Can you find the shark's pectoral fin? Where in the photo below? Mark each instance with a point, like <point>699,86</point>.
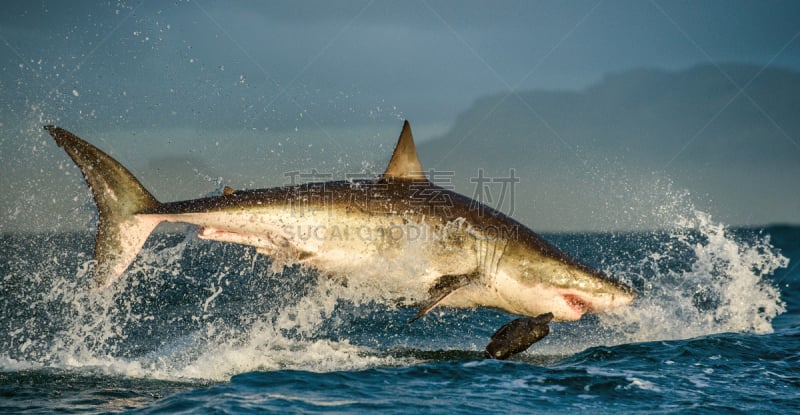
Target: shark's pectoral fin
<point>444,286</point>
<point>518,335</point>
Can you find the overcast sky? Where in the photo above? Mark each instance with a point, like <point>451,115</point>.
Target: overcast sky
<point>322,73</point>
<point>425,60</point>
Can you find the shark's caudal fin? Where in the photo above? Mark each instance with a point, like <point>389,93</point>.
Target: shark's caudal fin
<point>119,196</point>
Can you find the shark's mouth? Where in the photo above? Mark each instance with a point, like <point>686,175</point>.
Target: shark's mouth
<point>577,304</point>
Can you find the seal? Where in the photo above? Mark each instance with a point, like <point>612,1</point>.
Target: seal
<point>518,335</point>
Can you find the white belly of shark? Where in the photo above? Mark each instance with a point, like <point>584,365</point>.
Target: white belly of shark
<point>368,232</point>
<point>404,259</point>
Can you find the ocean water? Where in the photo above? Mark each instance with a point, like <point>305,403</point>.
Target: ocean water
<point>204,327</point>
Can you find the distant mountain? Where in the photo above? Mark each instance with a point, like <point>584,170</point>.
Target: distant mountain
<point>729,134</point>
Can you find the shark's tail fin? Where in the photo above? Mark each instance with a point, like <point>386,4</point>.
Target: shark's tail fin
<point>119,196</point>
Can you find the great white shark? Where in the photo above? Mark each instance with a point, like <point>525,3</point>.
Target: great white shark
<point>465,254</point>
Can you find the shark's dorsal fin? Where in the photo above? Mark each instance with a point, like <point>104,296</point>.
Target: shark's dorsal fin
<point>405,163</point>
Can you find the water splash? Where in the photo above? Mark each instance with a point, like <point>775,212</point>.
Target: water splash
<point>701,278</point>
<point>185,310</point>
